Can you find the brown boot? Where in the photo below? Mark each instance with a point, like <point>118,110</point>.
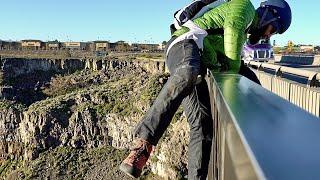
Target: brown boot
<point>137,158</point>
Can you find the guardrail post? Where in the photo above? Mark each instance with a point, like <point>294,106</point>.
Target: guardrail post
<point>278,72</point>
<point>312,80</point>
<point>260,67</point>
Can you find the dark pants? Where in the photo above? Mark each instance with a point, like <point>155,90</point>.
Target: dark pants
<point>248,73</point>
<point>184,65</point>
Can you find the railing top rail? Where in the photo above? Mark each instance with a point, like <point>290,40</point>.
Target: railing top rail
<point>297,55</point>
<point>281,137</point>
<point>295,71</point>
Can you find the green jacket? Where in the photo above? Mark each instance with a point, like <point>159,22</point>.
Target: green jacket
<point>234,18</point>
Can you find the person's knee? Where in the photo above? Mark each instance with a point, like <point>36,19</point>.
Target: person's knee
<point>189,75</point>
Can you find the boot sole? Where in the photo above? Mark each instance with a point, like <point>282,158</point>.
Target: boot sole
<point>129,170</point>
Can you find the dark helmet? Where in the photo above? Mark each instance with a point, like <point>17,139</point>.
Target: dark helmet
<point>275,12</point>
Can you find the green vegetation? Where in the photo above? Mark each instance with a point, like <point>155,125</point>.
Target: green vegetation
<point>5,105</point>
<point>151,55</point>
<point>10,166</point>
<point>1,78</point>
<point>61,54</point>
<point>153,88</point>
<point>67,163</point>
<point>5,165</point>
<point>119,101</point>
<point>64,84</point>
<point>177,115</point>
<point>115,94</point>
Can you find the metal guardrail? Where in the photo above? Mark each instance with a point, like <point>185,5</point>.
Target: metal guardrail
<point>258,135</point>
<point>306,97</point>
<point>312,76</point>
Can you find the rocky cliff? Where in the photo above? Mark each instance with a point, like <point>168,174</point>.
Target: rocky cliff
<point>94,106</point>
<point>22,77</point>
<point>13,67</point>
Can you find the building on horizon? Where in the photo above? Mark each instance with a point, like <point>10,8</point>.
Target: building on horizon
<point>101,45</point>
<point>75,45</point>
<point>161,47</point>
<point>119,46</point>
<point>145,47</point>
<point>2,44</point>
<point>31,44</point>
<point>13,45</point>
<point>53,45</point>
<point>306,48</point>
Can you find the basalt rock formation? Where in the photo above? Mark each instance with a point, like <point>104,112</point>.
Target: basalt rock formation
<point>88,110</point>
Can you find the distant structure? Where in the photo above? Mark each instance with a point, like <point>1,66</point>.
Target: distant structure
<point>290,46</point>
<point>161,47</point>
<point>53,45</point>
<point>75,45</point>
<point>306,48</point>
<point>122,46</point>
<point>32,44</point>
<point>10,45</point>
<point>144,47</point>
<point>100,45</point>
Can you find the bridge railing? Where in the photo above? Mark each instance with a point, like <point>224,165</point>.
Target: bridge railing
<point>313,77</point>
<point>258,135</point>
<point>306,96</point>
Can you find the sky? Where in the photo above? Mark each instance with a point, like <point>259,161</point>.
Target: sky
<point>135,21</point>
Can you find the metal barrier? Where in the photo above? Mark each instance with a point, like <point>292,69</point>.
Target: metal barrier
<point>313,77</point>
<point>258,135</point>
<point>306,97</point>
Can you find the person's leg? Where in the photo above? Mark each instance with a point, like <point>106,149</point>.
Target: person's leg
<point>198,111</point>
<point>184,65</point>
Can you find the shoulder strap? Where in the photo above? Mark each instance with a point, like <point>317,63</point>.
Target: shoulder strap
<point>193,9</point>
